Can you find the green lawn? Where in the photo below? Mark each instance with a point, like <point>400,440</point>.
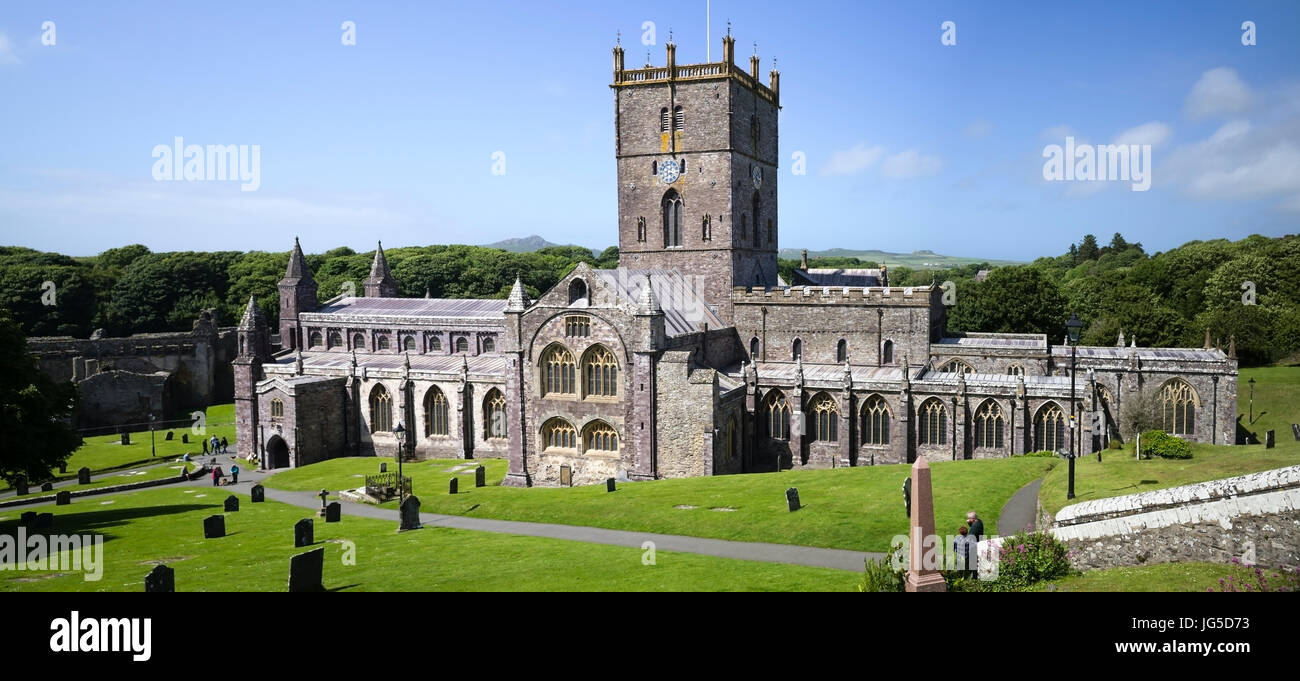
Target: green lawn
<point>1161,577</point>
<point>1119,473</point>
<point>121,477</point>
<point>104,452</point>
<point>848,508</point>
<point>166,525</point>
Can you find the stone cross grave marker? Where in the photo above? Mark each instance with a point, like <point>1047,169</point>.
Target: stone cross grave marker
<point>232,504</point>
<point>258,494</point>
<point>306,571</point>
<point>333,512</point>
<point>410,512</point>
<point>83,476</point>
<point>922,573</point>
<point>214,527</point>
<point>161,579</point>
<point>480,477</point>
<point>303,531</point>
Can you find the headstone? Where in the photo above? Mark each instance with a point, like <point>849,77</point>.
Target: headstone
<point>126,438</point>
<point>63,467</point>
<point>609,484</point>
<point>453,486</point>
<point>302,533</point>
<point>792,498</point>
<point>20,485</point>
<point>63,498</point>
<point>232,504</point>
<point>47,487</point>
<point>168,438</point>
<point>410,512</point>
<point>28,518</point>
<point>44,521</point>
<point>185,438</point>
<point>333,512</point>
<point>480,477</point>
<point>306,571</point>
<point>1295,430</point>
<point>258,494</point>
<point>907,496</point>
<point>383,467</point>
<point>83,476</point>
<point>160,580</point>
<point>920,576</point>
<point>214,527</point>
<point>1269,440</point>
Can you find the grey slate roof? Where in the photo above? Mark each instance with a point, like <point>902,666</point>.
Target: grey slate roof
<point>418,308</point>
<point>684,310</point>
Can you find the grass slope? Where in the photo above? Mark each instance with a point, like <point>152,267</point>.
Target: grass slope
<point>149,526</point>
<point>847,508</point>
<point>105,452</point>
<point>122,477</point>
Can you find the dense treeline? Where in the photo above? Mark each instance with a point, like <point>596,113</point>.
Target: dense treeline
<point>132,290</point>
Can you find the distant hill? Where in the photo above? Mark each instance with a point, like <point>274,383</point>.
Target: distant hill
<point>923,259</point>
<point>527,244</point>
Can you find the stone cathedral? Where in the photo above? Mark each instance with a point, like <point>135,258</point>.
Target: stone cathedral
<point>693,357</point>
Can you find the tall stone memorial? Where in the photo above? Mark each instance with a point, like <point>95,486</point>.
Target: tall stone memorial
<point>922,574</point>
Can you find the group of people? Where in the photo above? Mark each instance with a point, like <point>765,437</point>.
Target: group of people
<point>218,446</point>
<point>218,474</point>
<point>966,544</point>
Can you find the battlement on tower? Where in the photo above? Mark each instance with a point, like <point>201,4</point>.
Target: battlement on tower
<point>832,295</point>
<point>721,70</point>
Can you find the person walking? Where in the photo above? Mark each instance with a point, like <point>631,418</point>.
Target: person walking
<point>976,526</point>
<point>205,446</point>
<point>234,474</point>
<point>225,444</point>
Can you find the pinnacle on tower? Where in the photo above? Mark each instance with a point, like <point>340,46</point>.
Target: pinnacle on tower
<point>380,283</point>
<point>518,300</point>
<point>649,302</point>
<point>252,319</point>
<point>297,271</point>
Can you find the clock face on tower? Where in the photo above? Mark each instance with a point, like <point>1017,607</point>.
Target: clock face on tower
<point>668,172</point>
<point>757,176</point>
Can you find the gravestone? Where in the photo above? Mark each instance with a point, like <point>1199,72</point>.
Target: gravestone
<point>63,467</point>
<point>168,438</point>
<point>792,498</point>
<point>480,477</point>
<point>44,521</point>
<point>126,438</point>
<point>920,575</point>
<point>609,484</point>
<point>302,533</point>
<point>83,476</point>
<point>1269,440</point>
<point>410,512</point>
<point>333,512</point>
<point>1295,431</point>
<point>20,485</point>
<point>28,519</point>
<point>306,571</point>
<point>383,467</point>
<point>453,485</point>
<point>258,494</point>
<point>47,487</point>
<point>63,498</point>
<point>324,495</point>
<point>160,580</point>
<point>185,438</point>
<point>907,496</point>
<point>232,504</point>
<point>214,527</point>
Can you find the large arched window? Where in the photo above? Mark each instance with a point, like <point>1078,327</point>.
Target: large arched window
<point>875,421</point>
<point>558,371</point>
<point>933,427</point>
<point>381,410</point>
<point>335,340</point>
<point>957,366</point>
<point>358,341</point>
<point>989,425</point>
<point>383,342</point>
<point>577,291</point>
<point>753,349</point>
<point>559,434</point>
<point>599,372</point>
<point>1049,429</point>
<point>435,413</point>
<point>494,415</point>
<point>756,205</point>
<point>841,350</point>
<point>796,349</point>
<point>315,340</point>
<point>887,353</point>
<point>825,419</point>
<point>599,436</point>
<point>462,344</point>
<point>408,344</point>
<point>775,420</point>
<point>1178,408</point>
<point>672,214</point>
<point>435,343</point>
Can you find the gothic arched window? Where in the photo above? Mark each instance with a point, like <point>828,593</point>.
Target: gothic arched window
<point>408,344</point>
<point>494,415</point>
<point>277,408</point>
<point>358,341</point>
<point>875,421</point>
<point>934,423</point>
<point>435,413</point>
<point>600,372</point>
<point>559,434</point>
<point>989,425</point>
<point>841,350</point>
<point>776,416</point>
<point>314,340</point>
<point>664,119</point>
<point>383,342</point>
<point>825,416</point>
<point>1049,429</point>
<point>462,344</point>
<point>558,371</point>
<point>435,343</point>
<point>679,118</point>
<point>1178,408</point>
<point>600,436</point>
<point>887,354</point>
<point>796,350</point>
<point>753,349</point>
<point>335,340</point>
<point>672,214</point>
<point>489,345</point>
<point>577,290</point>
<point>381,410</point>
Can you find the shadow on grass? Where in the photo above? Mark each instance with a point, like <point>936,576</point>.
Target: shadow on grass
<point>95,522</point>
<point>342,588</point>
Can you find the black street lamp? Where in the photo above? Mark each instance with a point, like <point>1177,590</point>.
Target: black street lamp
<point>1252,400</point>
<point>1072,330</point>
<point>153,447</point>
<point>400,432</point>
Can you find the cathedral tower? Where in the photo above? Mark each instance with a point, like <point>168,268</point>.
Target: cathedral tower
<point>297,295</point>
<point>696,147</point>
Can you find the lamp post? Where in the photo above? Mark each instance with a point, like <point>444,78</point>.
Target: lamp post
<point>153,446</point>
<point>1072,330</point>
<point>1252,400</point>
<point>400,432</point>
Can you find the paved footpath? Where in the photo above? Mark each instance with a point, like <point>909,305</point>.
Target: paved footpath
<point>1021,510</point>
<point>837,559</point>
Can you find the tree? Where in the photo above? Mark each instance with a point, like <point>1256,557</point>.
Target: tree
<point>1139,413</point>
<point>1074,254</point>
<point>1011,300</point>
<point>35,411</point>
<point>1117,243</point>
<point>1088,249</point>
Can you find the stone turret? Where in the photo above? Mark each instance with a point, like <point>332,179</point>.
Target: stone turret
<point>380,283</point>
<point>297,295</point>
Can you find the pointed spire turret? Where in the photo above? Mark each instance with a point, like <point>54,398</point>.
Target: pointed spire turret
<point>380,283</point>
<point>649,301</point>
<point>297,271</point>
<point>252,319</point>
<point>518,300</point>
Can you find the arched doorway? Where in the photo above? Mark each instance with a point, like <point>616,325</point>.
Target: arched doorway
<point>277,452</point>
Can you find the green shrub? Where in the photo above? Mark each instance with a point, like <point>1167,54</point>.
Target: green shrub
<point>1042,454</point>
<point>1161,444</point>
<point>880,575</point>
<point>1028,558</point>
<point>1114,444</point>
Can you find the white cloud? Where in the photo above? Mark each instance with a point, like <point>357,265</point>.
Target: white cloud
<point>7,55</point>
<point>978,129</point>
<point>1154,133</point>
<point>909,164</point>
<point>853,161</point>
<point>1219,92</point>
<point>1242,162</point>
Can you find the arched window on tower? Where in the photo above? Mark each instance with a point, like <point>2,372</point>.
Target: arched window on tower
<point>672,214</point>
<point>753,349</point>
<point>679,118</point>
<point>640,229</point>
<point>664,119</point>
<point>706,228</point>
<point>887,353</point>
<point>841,350</point>
<point>796,351</point>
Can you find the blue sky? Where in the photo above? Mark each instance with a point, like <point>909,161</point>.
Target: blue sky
<point>909,144</point>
